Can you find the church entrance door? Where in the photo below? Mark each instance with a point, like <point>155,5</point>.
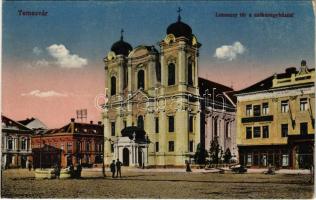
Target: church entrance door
<point>140,158</point>
<point>125,157</point>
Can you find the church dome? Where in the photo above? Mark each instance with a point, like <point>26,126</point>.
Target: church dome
<point>121,47</point>
<point>179,29</point>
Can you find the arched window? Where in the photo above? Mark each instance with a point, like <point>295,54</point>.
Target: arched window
<point>171,74</point>
<point>158,71</point>
<point>10,143</point>
<point>140,122</point>
<point>190,70</point>
<point>113,85</point>
<point>141,79</point>
<point>23,144</point>
<point>125,71</point>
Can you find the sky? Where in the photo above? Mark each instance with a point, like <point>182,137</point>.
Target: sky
<point>53,65</point>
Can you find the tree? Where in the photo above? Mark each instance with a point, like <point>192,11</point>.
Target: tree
<point>227,156</point>
<point>215,151</point>
<point>200,154</point>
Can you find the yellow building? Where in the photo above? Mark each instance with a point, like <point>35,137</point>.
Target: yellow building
<point>155,92</point>
<point>275,120</point>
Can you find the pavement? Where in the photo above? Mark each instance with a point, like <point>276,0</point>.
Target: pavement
<point>211,170</point>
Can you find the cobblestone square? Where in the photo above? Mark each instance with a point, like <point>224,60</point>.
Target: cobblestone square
<point>136,184</point>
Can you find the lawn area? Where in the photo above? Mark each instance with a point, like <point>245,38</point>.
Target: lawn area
<point>21,184</point>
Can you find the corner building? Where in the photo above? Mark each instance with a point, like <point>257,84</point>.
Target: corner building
<point>275,120</point>
<point>155,91</point>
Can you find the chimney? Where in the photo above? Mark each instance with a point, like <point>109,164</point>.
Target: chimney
<point>72,119</point>
<point>91,122</point>
<point>99,123</point>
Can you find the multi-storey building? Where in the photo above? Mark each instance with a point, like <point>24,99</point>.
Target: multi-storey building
<point>156,94</point>
<point>275,120</point>
<point>159,93</point>
<point>74,143</point>
<point>218,109</point>
<point>16,143</point>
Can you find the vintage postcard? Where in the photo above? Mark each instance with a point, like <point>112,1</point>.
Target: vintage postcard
<point>158,99</point>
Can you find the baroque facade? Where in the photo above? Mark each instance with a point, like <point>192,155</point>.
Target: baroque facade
<point>16,146</point>
<point>275,120</point>
<point>154,95</point>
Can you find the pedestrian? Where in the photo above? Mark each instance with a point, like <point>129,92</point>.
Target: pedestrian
<point>30,165</point>
<point>112,167</point>
<point>118,168</point>
<point>57,171</point>
<point>79,169</point>
<point>188,168</point>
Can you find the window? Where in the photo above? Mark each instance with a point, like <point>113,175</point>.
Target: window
<point>140,122</point>
<point>215,126</point>
<point>140,79</point>
<point>256,132</point>
<point>171,74</point>
<point>171,123</point>
<point>69,147</point>
<point>113,85</point>
<point>285,106</point>
<point>112,148</point>
<point>157,146</point>
<point>265,108</point>
<point>304,128</point>
<point>157,124</point>
<point>249,159</point>
<point>87,146</point>
<point>10,144</point>
<point>285,160</point>
<point>23,144</point>
<point>265,131</point>
<point>303,104</point>
<point>112,128</point>
<point>227,129</point>
<point>78,146</point>
<point>248,110</point>
<point>284,130</point>
<point>256,110</point>
<point>191,146</point>
<point>190,69</point>
<point>191,124</point>
<point>248,132</point>
<point>124,122</point>
<point>171,146</point>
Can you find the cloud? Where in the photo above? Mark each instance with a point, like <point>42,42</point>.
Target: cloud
<point>63,57</point>
<point>229,52</point>
<point>37,51</point>
<point>38,93</point>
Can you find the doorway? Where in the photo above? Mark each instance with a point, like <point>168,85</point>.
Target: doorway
<point>125,157</point>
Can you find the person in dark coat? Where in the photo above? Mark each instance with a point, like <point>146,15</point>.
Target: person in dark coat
<point>57,171</point>
<point>79,169</point>
<point>118,168</point>
<point>112,167</point>
<point>30,165</point>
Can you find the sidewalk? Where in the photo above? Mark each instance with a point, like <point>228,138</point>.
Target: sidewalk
<point>212,170</point>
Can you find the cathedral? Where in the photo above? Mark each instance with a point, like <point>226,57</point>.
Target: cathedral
<point>153,113</point>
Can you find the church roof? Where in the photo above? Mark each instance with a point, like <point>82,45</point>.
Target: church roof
<point>121,47</point>
<point>179,28</point>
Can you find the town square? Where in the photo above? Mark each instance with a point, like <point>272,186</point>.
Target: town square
<point>158,99</point>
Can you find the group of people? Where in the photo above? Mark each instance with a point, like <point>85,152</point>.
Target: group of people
<point>116,167</point>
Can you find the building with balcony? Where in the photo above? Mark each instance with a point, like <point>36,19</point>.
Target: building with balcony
<point>16,143</point>
<point>74,143</point>
<point>275,120</point>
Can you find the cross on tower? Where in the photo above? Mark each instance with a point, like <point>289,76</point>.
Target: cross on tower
<point>179,11</point>
<point>122,31</point>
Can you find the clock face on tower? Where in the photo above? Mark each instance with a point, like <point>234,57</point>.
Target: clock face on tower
<point>169,39</point>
